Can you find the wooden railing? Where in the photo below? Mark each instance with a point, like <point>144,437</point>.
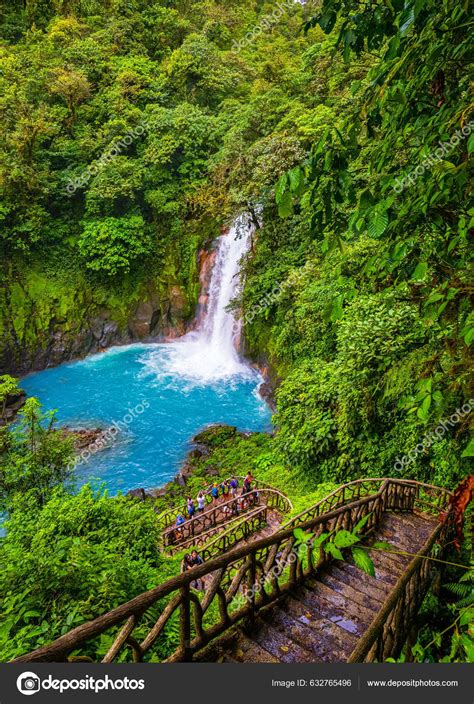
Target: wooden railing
<point>167,518</point>
<point>423,497</point>
<point>238,531</point>
<point>245,580</point>
<point>198,530</point>
<point>386,636</point>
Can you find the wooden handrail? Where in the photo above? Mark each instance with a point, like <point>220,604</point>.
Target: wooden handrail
<point>233,574</point>
<point>341,490</point>
<point>168,516</point>
<point>368,639</point>
<point>189,527</point>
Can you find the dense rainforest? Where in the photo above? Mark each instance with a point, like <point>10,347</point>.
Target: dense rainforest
<point>133,131</point>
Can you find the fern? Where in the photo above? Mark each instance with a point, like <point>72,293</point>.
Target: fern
<point>464,590</point>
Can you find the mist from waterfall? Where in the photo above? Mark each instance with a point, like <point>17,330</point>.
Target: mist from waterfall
<point>209,353</point>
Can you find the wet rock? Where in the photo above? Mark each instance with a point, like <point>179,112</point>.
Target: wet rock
<point>186,470</point>
<point>140,324</point>
<point>196,453</point>
<point>266,392</point>
<point>93,439</point>
<point>137,494</point>
<point>159,493</point>
<point>14,403</point>
<point>159,313</point>
<point>178,304</point>
<point>180,479</point>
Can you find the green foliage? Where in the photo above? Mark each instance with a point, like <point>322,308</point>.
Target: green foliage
<point>332,137</point>
<point>8,387</point>
<point>71,560</point>
<point>333,543</point>
<point>34,457</point>
<point>371,330</point>
<point>111,245</point>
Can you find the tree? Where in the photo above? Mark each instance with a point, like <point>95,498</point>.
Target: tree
<point>113,245</point>
<point>73,87</point>
<point>8,387</point>
<point>34,456</point>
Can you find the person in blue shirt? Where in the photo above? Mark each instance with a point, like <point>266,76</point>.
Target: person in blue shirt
<point>191,508</point>
<point>178,534</point>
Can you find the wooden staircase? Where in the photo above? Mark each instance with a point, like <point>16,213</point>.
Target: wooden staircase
<point>268,599</point>
<point>323,619</point>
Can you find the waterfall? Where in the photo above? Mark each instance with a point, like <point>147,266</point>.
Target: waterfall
<point>219,329</point>
<point>209,353</point>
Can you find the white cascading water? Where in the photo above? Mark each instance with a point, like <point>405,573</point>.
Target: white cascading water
<point>209,353</point>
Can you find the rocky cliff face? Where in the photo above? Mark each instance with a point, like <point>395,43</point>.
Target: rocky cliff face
<point>44,321</point>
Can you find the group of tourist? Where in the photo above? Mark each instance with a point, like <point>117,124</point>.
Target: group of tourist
<point>220,494</point>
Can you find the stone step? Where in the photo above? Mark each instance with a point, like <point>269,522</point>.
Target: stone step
<point>247,650</point>
<point>363,582</point>
<point>323,619</point>
<point>337,608</point>
<point>279,644</point>
<point>320,626</point>
<point>329,578</point>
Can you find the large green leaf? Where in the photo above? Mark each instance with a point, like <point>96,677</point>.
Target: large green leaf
<point>281,187</point>
<point>420,271</point>
<point>360,524</point>
<point>333,550</point>
<point>378,223</point>
<point>285,206</point>
<point>363,561</point>
<point>344,539</point>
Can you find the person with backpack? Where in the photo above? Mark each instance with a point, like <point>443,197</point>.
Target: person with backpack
<point>247,483</point>
<point>215,493</point>
<point>180,520</point>
<point>196,560</point>
<point>225,490</point>
<point>233,486</point>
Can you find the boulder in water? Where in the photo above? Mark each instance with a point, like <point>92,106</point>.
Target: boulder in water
<point>92,439</point>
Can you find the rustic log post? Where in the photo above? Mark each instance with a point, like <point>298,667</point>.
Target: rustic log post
<point>185,624</point>
<point>119,641</point>
<point>253,578</point>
